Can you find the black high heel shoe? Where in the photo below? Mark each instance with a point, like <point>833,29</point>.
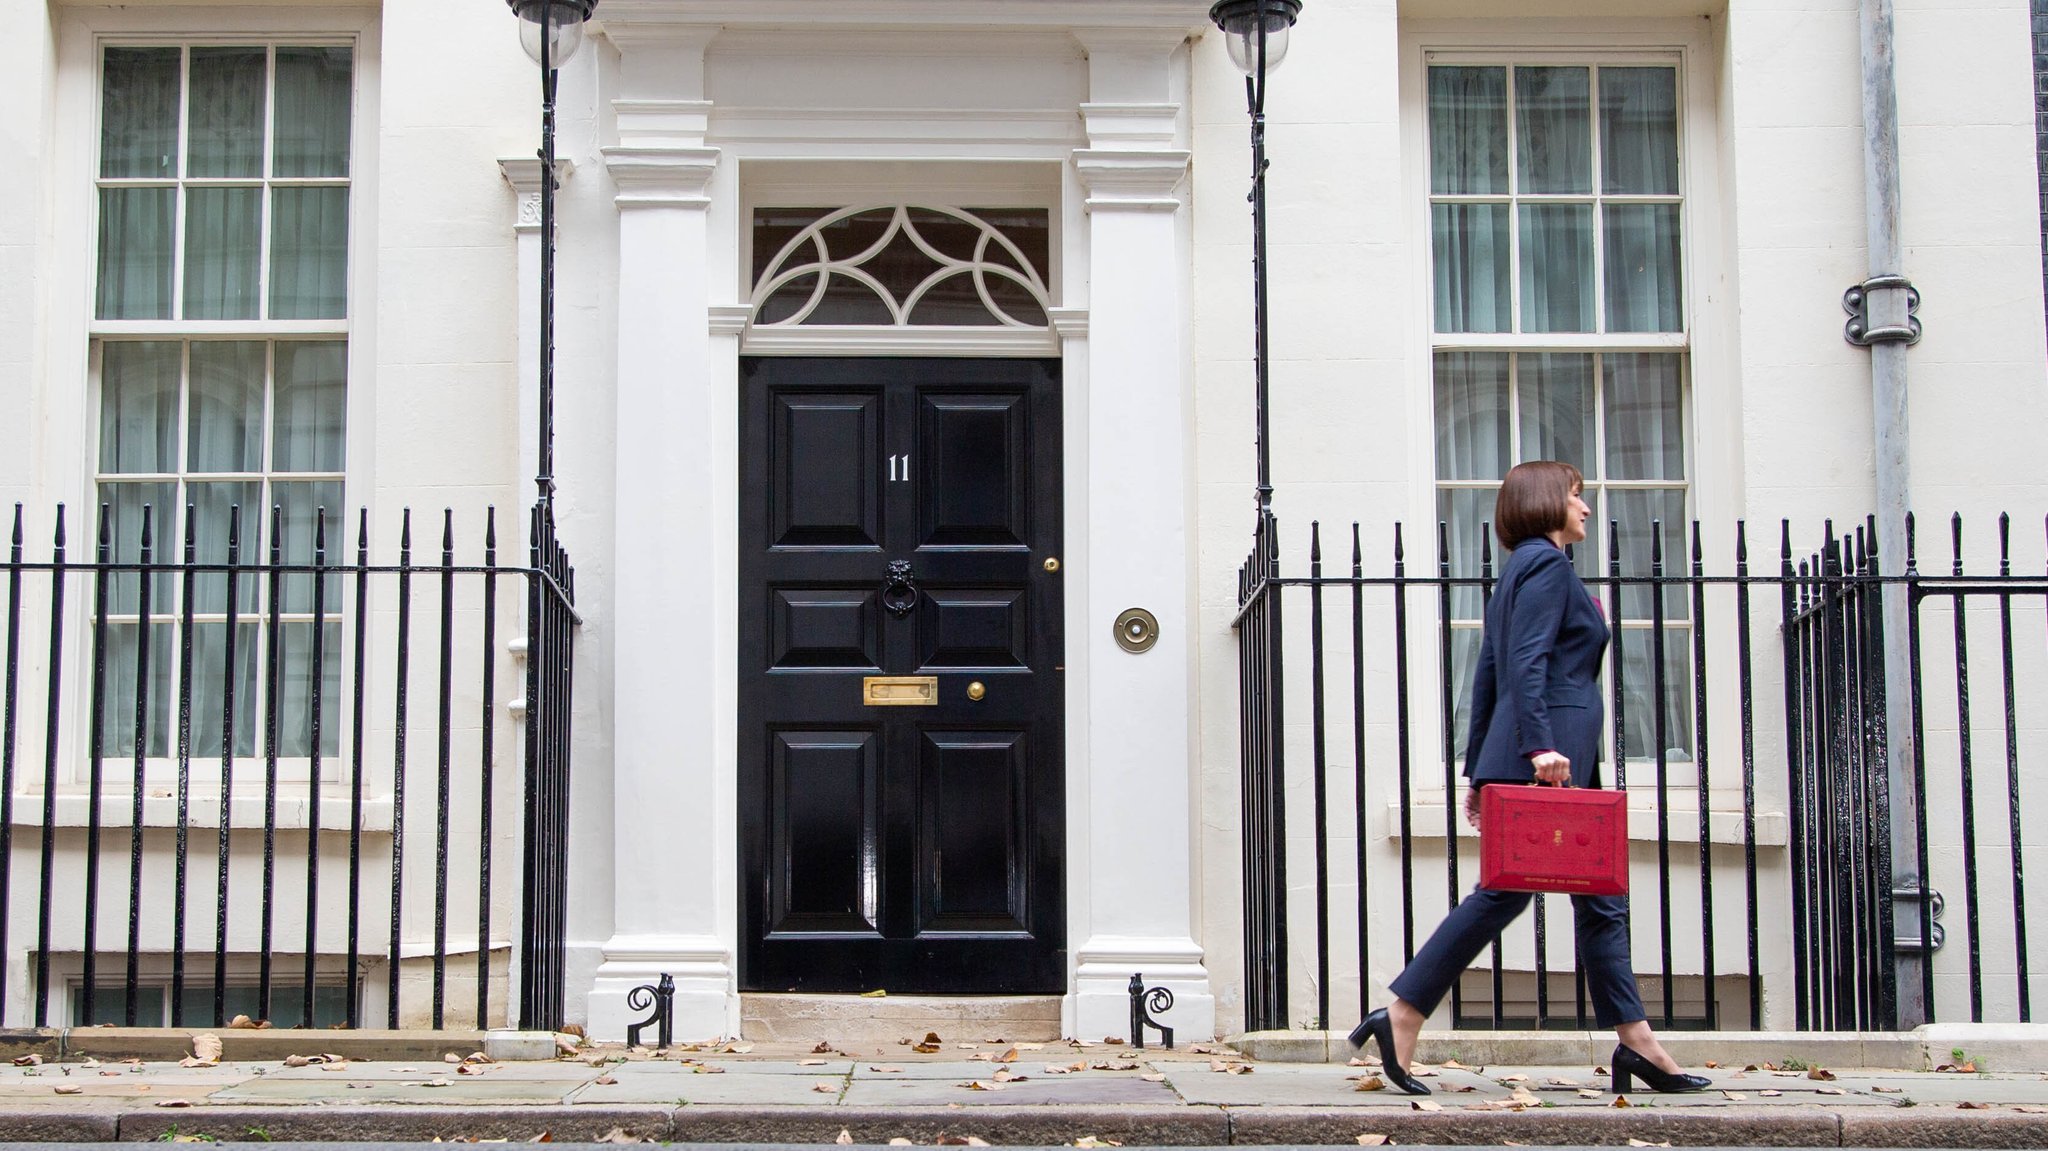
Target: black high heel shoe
<point>1381,1029</point>
<point>1630,1066</point>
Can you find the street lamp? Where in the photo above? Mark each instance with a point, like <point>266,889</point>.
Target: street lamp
<point>1255,31</point>
<point>550,31</point>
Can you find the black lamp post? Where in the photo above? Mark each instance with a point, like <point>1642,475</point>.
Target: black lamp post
<point>550,31</point>
<point>1255,31</point>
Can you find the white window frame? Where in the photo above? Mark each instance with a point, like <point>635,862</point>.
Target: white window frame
<point>71,400</point>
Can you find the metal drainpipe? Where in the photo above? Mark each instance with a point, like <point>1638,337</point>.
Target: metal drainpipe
<point>1886,326</point>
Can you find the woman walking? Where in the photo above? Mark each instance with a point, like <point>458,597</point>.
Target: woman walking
<point>1536,717</point>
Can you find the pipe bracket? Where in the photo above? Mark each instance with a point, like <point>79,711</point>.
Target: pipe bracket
<point>1856,302</point>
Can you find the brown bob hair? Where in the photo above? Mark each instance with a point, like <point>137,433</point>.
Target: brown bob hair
<point>1534,499</point>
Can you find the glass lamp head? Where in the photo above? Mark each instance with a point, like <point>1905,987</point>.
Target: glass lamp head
<point>1239,20</point>
<point>560,21</point>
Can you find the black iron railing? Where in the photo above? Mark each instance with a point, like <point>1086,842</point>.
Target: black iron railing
<point>1766,876</point>
<point>210,704</point>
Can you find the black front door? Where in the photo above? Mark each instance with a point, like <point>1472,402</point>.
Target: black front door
<point>900,742</point>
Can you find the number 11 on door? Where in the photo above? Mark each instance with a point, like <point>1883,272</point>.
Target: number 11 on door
<point>899,473</point>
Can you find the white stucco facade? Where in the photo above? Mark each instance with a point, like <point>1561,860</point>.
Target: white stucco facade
<point>1125,121</point>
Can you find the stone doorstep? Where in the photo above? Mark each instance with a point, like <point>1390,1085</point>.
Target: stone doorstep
<point>770,1017</point>
<point>1997,1046</point>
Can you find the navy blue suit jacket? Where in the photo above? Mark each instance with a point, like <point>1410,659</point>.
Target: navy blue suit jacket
<point>1537,684</point>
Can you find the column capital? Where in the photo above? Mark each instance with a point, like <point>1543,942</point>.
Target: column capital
<point>1145,180</point>
<point>523,173</point>
<point>672,177</point>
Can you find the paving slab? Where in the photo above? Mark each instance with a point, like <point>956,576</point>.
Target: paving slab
<point>733,1089</point>
<point>456,1092</point>
<point>1096,1088</point>
<point>687,1067</point>
<point>960,1069</point>
<point>1929,1088</point>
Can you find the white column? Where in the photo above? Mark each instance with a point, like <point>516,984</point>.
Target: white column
<point>1136,904</point>
<point>674,863</point>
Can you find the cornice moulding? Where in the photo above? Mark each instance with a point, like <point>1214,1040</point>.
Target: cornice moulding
<point>1132,178</point>
<point>1182,14</point>
<point>676,177</point>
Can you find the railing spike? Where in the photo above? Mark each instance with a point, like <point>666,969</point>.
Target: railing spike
<point>1955,527</point>
<point>1912,547</point>
<point>448,533</point>
<point>2004,543</point>
<point>17,527</point>
<point>1742,546</point>
<point>59,537</point>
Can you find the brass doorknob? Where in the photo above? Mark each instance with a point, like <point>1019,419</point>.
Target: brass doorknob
<point>975,691</point>
<point>1052,563</point>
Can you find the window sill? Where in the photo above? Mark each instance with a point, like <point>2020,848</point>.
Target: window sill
<point>294,810</point>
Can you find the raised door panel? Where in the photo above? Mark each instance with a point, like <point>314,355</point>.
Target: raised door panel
<point>972,815</point>
<point>974,492</point>
<point>824,834</point>
<point>823,474</point>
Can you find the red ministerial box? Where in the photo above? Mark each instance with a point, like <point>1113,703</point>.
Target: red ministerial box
<point>1571,840</point>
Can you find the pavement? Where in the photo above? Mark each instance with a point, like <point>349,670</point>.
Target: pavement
<point>1002,1093</point>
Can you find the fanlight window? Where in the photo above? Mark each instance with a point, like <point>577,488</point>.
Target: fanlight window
<point>901,266</point>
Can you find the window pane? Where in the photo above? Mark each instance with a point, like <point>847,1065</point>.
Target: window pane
<point>1639,695</point>
<point>1637,512</point>
<point>309,253</point>
<point>110,1004</point>
<point>1471,415</point>
<point>1471,245</point>
<point>1645,416</point>
<point>295,689</point>
<point>213,508</point>
<point>223,227</point>
<point>124,505</point>
<point>312,407</point>
<point>211,673</point>
<point>1557,267</point>
<point>301,503</point>
<point>313,96</point>
<point>136,235</point>
<point>1469,512</point>
<point>1555,394</point>
<point>1464,660</point>
<point>225,132</point>
<point>1642,268</point>
<point>1639,131</point>
<point>118,716</point>
<point>139,406</point>
<point>1468,131</point>
<point>225,429</point>
<point>139,114</point>
<point>1553,131</point>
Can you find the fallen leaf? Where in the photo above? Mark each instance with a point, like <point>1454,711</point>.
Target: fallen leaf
<point>604,1081</point>
<point>1452,1064</point>
<point>974,1141</point>
<point>437,1081</point>
<point>1771,1094</point>
<point>877,993</point>
<point>1108,1066</point>
<point>1425,1105</point>
<point>117,1074</point>
<point>1711,1065</point>
<point>1004,1076</point>
<point>1056,1069</point>
<point>1372,1139</point>
<point>1820,1073</point>
<point>1830,1091</point>
<point>1599,1071</point>
<point>543,1137</point>
<point>90,1062</point>
<point>1041,1047</point>
<point>206,1047</point>
<point>1621,1101</point>
<point>2032,1109</point>
<point>1588,1093</point>
<point>1009,1056</point>
<point>1370,1083</point>
<point>242,1022</point>
<point>966,1046</point>
<point>297,1061</point>
<point>982,1057</point>
<point>1459,1087</point>
<point>1154,1078</point>
<point>885,1070</point>
<point>926,1048</point>
<point>826,1086</point>
<point>707,1069</point>
<point>932,1037</point>
<point>1422,1072</point>
<point>1514,1079</point>
<point>1525,1097</point>
<point>979,1085</point>
<point>900,1141</point>
<point>823,1048</point>
<point>739,1048</point>
<point>1113,1041</point>
<point>845,1138</point>
<point>619,1135</point>
<point>1646,1143</point>
<point>1967,1105</point>
<point>1557,1082</point>
<point>334,1063</point>
<point>28,1061</point>
<point>174,1103</point>
<point>1737,1096</point>
<point>70,1089</point>
<point>1092,1141</point>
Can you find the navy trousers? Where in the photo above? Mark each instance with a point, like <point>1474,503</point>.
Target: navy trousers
<point>1600,920</point>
